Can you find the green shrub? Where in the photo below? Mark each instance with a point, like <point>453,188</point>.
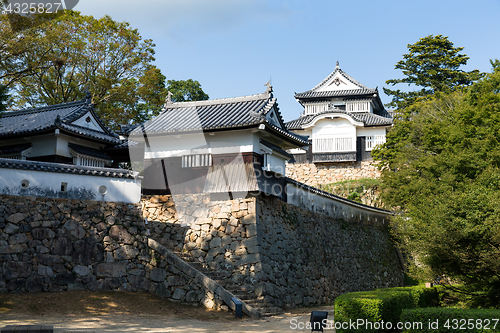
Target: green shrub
<point>381,305</point>
<point>410,281</point>
<point>422,297</point>
<point>441,320</point>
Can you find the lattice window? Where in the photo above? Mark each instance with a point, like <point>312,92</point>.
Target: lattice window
<point>13,156</point>
<point>358,106</point>
<point>373,140</point>
<point>89,161</point>
<point>17,156</point>
<point>198,160</point>
<point>316,108</point>
<point>324,145</point>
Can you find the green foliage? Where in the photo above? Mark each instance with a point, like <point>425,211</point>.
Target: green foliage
<point>354,196</point>
<point>432,65</point>
<point>353,189</point>
<point>445,175</point>
<point>452,320</point>
<point>186,90</point>
<point>3,98</point>
<point>353,183</point>
<point>382,304</point>
<point>410,281</point>
<point>55,61</point>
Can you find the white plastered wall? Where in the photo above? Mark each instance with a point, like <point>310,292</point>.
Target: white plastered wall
<point>334,128</point>
<point>48,184</point>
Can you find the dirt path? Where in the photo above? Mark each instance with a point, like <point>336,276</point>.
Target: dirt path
<point>84,312</point>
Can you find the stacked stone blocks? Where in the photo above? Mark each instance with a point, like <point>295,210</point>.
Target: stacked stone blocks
<point>314,174</point>
<point>285,255</point>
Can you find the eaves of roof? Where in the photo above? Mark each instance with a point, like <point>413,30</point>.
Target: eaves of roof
<point>368,119</point>
<point>67,168</point>
<point>49,118</point>
<point>13,149</point>
<point>344,75</point>
<point>337,93</point>
<point>125,144</point>
<point>301,139</point>
<point>89,133</point>
<point>216,115</point>
<point>276,148</point>
<point>88,151</point>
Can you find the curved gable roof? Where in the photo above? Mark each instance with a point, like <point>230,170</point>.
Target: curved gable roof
<point>338,83</point>
<point>48,118</point>
<point>218,114</point>
<point>368,119</point>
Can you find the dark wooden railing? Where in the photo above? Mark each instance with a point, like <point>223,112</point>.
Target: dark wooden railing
<point>334,157</point>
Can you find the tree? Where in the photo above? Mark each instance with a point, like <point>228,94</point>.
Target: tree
<point>186,90</point>
<point>432,64</point>
<point>3,98</point>
<point>54,62</point>
<point>446,180</point>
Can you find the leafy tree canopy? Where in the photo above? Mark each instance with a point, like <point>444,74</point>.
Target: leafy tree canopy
<point>3,98</point>
<point>432,65</point>
<point>186,90</point>
<point>55,61</point>
<point>446,178</point>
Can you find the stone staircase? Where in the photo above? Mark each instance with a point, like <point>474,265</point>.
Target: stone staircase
<point>265,308</point>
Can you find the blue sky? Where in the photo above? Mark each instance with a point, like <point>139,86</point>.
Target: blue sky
<point>233,47</point>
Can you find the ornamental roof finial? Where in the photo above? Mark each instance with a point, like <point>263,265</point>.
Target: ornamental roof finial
<point>168,99</point>
<point>269,89</point>
<point>88,96</point>
<point>337,66</point>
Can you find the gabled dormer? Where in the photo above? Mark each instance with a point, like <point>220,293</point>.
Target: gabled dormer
<point>88,120</point>
<point>342,92</point>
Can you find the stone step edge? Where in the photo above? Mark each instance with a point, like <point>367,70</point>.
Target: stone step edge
<point>209,284</point>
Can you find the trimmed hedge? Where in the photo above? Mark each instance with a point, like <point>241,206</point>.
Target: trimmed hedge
<point>456,320</point>
<point>381,305</point>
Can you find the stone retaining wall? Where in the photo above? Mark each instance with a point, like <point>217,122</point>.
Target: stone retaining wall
<point>308,258</point>
<point>286,254</point>
<point>220,234</point>
<point>59,244</point>
<point>315,174</point>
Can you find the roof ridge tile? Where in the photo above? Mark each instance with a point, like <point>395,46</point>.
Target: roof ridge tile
<point>43,108</point>
<point>216,101</point>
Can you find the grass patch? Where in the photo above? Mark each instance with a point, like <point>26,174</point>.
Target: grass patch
<point>368,182</point>
<point>354,189</point>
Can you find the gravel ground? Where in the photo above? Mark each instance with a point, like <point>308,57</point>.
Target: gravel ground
<point>85,312</point>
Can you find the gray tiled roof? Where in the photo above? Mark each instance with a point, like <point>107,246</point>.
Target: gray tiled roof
<point>344,75</point>
<point>124,145</point>
<point>336,93</point>
<point>67,168</point>
<point>127,129</point>
<point>274,147</point>
<point>13,149</point>
<point>48,118</point>
<point>217,114</point>
<point>363,90</point>
<point>88,151</point>
<point>90,133</point>
<point>368,119</point>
